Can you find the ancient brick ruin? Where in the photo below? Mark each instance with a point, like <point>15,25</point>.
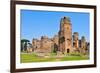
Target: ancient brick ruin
<point>64,41</point>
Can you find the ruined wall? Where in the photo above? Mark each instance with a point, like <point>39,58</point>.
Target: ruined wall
<point>46,44</point>
<point>83,45</point>
<point>36,44</point>
<point>76,41</point>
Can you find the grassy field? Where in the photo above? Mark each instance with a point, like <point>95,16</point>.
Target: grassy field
<point>31,57</point>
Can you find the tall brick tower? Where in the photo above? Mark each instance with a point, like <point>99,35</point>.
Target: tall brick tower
<point>65,35</point>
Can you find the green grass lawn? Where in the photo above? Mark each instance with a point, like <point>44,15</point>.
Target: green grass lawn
<point>31,57</point>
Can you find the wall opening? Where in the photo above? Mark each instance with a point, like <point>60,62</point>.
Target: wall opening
<point>68,50</point>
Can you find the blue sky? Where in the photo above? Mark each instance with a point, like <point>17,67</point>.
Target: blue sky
<point>35,24</point>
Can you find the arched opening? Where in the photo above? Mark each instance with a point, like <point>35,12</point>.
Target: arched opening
<point>68,50</point>
<point>74,44</point>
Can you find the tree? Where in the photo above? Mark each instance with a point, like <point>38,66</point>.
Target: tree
<point>24,43</point>
<point>55,48</point>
